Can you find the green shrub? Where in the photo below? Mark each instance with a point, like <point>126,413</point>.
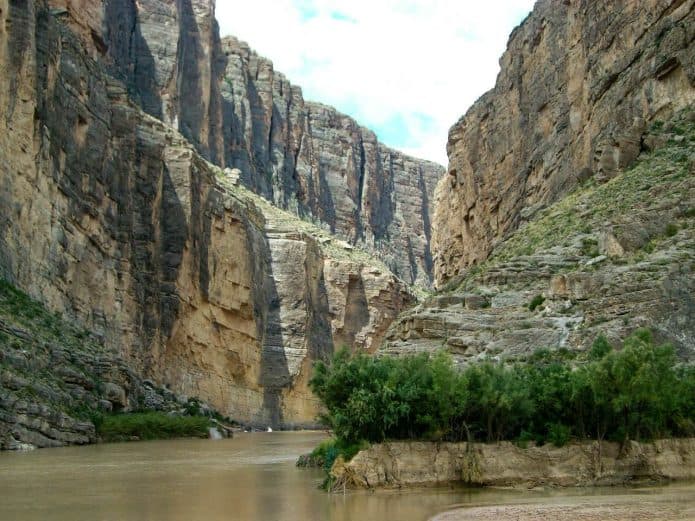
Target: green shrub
<point>535,302</point>
<point>590,247</point>
<point>524,438</point>
<point>600,348</point>
<point>558,434</point>
<point>151,426</point>
<point>671,230</point>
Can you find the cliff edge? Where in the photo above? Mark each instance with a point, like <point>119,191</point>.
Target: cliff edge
<point>580,84</point>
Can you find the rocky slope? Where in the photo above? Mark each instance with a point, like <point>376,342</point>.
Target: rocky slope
<point>239,112</point>
<point>579,85</point>
<point>113,219</point>
<point>55,377</point>
<point>607,259</point>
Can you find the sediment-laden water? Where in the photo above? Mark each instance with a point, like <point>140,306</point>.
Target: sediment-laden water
<point>251,477</point>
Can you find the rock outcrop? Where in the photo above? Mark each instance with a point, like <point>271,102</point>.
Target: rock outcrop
<point>398,464</point>
<point>113,219</point>
<point>238,112</point>
<point>580,83</point>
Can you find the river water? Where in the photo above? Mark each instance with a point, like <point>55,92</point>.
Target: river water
<point>251,477</point>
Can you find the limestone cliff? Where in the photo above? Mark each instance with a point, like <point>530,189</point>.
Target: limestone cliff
<point>113,219</point>
<point>580,83</point>
<point>320,163</point>
<point>239,112</point>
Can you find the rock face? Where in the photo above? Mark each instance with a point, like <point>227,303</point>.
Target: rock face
<point>607,259</point>
<point>238,112</point>
<point>398,464</point>
<point>580,83</point>
<point>319,163</point>
<point>113,219</point>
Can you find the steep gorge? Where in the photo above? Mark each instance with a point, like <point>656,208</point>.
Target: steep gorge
<point>143,160</point>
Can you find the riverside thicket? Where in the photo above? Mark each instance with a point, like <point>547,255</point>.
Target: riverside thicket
<point>640,391</point>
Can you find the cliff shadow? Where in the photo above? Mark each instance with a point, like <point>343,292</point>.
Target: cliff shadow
<point>318,334</point>
<point>274,371</point>
<point>252,159</point>
<point>158,234</point>
<point>381,205</point>
<point>190,55</point>
<point>130,57</point>
<point>427,224</point>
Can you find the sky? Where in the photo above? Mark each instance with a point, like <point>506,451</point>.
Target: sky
<point>407,69</point>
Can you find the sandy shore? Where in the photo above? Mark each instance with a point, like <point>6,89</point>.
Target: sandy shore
<point>673,504</point>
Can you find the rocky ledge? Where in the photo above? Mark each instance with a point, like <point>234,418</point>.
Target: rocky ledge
<point>401,464</point>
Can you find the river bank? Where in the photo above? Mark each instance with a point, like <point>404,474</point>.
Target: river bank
<point>675,503</point>
<point>409,464</point>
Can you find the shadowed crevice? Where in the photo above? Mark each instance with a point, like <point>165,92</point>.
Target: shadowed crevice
<point>356,312</point>
<point>274,371</point>
<point>427,226</point>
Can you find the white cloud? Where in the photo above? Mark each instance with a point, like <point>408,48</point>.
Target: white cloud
<point>418,64</point>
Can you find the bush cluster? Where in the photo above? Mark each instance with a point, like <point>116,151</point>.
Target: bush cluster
<point>150,426</point>
<point>637,392</point>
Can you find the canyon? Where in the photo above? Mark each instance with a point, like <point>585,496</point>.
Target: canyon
<point>211,234</point>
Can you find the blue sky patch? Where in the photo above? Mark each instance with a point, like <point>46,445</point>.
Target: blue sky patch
<point>342,17</point>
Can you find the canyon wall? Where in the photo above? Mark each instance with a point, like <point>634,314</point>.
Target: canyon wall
<point>115,220</point>
<point>605,260</point>
<point>567,209</point>
<point>239,112</point>
<point>580,83</point>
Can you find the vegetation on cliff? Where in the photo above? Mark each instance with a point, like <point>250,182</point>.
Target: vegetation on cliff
<point>637,392</point>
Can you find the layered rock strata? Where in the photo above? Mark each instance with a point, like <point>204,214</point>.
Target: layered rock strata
<point>607,259</point>
<point>580,83</point>
<point>113,219</point>
<point>319,163</point>
<point>239,112</point>
<point>399,464</point>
